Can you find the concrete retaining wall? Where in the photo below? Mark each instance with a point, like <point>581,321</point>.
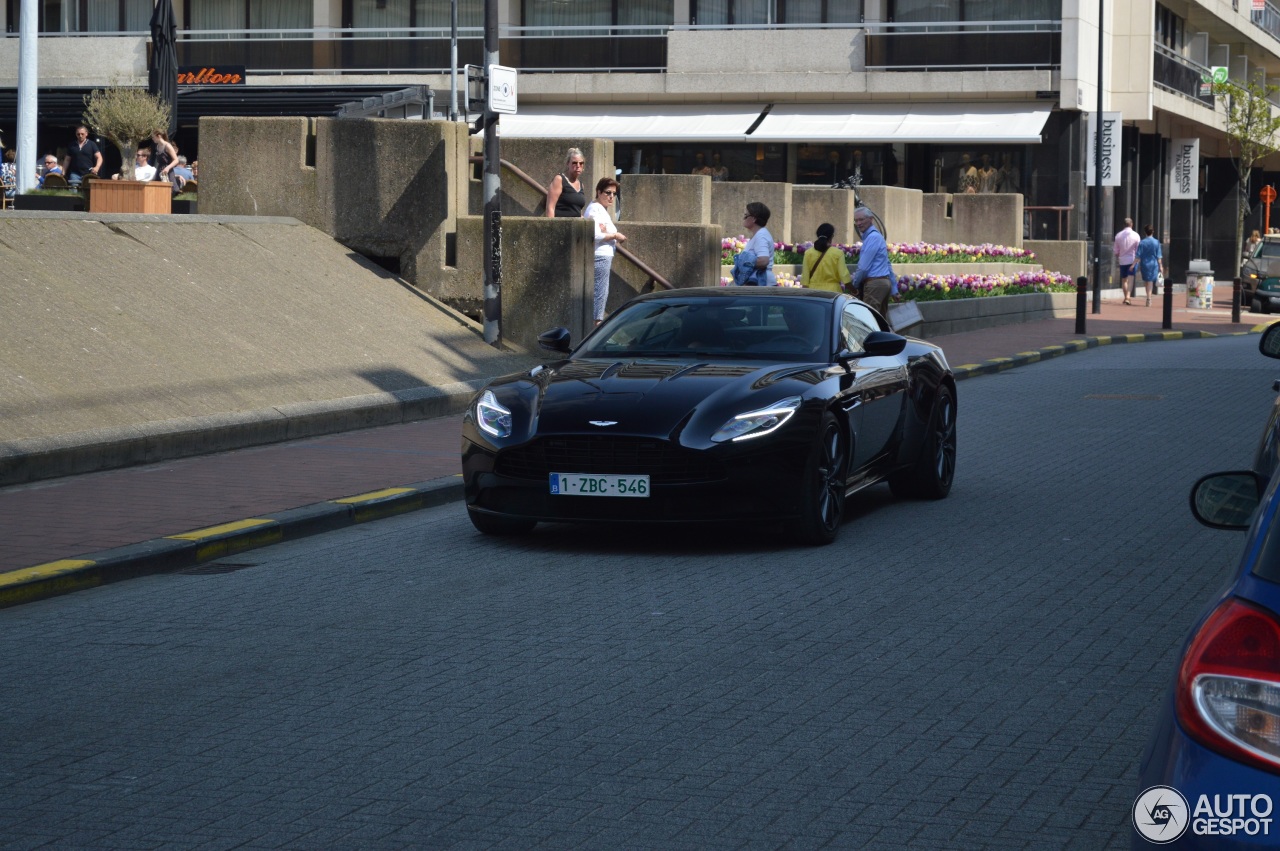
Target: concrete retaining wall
<point>674,198</point>
<point>973,314</point>
<point>900,209</point>
<point>814,205</point>
<point>1070,257</point>
<point>729,201</point>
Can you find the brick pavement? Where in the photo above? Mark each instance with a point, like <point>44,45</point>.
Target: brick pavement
<point>69,517</point>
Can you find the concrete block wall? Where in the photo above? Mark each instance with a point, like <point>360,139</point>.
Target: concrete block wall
<point>552,284</point>
<point>729,201</point>
<point>674,198</point>
<point>258,167</point>
<point>814,205</point>
<point>690,257</point>
<point>1070,257</point>
<point>973,219</point>
<point>900,209</point>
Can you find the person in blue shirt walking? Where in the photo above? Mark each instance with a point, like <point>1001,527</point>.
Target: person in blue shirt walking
<point>873,280</point>
<point>1150,260</point>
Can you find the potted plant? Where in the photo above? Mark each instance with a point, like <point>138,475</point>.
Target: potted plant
<point>125,115</point>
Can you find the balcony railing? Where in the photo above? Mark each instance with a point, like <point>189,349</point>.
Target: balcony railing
<point>426,50</point>
<point>1180,75</point>
<point>964,45</point>
<point>1268,18</point>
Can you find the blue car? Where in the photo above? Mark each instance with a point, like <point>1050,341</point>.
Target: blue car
<point>1210,777</point>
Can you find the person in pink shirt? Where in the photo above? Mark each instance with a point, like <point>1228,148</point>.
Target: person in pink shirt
<point>1126,253</point>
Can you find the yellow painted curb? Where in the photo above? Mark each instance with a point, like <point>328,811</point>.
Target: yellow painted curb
<point>214,531</point>
<point>44,571</point>
<point>372,495</point>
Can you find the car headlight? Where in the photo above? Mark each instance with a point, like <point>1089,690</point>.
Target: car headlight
<point>757,423</point>
<point>492,417</point>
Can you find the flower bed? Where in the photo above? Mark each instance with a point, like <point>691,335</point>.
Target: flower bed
<point>939,287</point>
<point>917,252</point>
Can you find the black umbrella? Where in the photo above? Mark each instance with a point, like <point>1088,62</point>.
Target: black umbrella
<point>163,72</point>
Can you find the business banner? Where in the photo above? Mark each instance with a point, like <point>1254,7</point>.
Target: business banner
<point>1110,148</point>
<point>211,75</point>
<point>1184,182</point>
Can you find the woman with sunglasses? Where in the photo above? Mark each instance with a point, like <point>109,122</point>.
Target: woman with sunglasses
<point>607,238</point>
<point>565,198</point>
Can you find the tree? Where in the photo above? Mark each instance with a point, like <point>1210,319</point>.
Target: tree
<point>125,116</point>
<point>1251,125</point>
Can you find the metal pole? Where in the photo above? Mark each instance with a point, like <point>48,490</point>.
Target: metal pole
<point>453,61</point>
<point>1235,299</point>
<point>1082,301</point>
<point>28,76</point>
<point>1097,182</point>
<point>491,190</point>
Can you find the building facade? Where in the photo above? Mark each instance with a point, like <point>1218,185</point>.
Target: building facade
<point>938,95</point>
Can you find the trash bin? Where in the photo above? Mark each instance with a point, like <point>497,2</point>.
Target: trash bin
<point>1199,285</point>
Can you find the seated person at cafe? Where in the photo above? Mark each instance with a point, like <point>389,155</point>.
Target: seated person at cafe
<point>50,167</point>
<point>142,167</point>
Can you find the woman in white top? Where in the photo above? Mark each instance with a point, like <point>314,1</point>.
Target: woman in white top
<point>607,237</point>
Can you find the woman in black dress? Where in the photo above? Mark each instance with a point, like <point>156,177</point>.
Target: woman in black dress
<point>565,198</point>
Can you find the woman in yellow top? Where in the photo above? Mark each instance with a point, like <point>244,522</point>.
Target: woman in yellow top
<point>824,268</point>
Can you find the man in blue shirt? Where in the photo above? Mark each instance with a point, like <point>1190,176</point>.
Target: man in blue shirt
<point>873,280</point>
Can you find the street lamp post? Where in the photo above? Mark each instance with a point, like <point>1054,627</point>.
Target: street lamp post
<point>1097,181</point>
<point>491,187</point>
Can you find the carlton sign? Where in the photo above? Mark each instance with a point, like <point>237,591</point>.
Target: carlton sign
<point>211,75</point>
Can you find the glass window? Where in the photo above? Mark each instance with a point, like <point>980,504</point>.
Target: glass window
<point>820,11</point>
<point>436,13</point>
<point>919,11</point>
<point>722,12</point>
<point>856,323</point>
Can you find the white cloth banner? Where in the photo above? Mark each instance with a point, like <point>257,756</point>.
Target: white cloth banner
<point>1110,148</point>
<point>1184,182</point>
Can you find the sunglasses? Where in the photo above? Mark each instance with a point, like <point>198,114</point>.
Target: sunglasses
<point>609,192</point>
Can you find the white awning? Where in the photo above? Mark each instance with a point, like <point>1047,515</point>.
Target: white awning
<point>1010,123</point>
<point>634,123</point>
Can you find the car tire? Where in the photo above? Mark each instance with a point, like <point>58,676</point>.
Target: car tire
<point>493,524</point>
<point>822,486</point>
<point>932,474</point>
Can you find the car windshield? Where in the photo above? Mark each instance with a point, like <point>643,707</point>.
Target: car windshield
<point>759,328</point>
<point>1270,248</point>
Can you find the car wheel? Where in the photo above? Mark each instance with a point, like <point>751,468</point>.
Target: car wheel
<point>933,472</point>
<point>1264,305</point>
<point>822,486</point>
<point>492,524</point>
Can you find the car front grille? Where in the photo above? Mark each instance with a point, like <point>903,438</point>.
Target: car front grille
<point>661,461</point>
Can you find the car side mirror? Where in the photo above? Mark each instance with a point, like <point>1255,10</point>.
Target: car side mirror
<point>1269,345</point>
<point>881,344</point>
<point>557,339</point>
<point>1227,500</point>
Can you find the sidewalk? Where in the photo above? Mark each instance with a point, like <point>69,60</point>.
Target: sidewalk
<point>80,531</point>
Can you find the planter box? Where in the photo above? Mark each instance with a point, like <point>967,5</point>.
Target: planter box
<point>130,196</point>
<point>49,203</point>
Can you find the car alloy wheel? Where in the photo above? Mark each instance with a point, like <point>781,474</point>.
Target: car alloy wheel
<point>823,485</point>
<point>932,474</point>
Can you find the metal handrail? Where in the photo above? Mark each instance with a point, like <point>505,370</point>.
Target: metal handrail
<point>654,277</point>
<point>1061,211</point>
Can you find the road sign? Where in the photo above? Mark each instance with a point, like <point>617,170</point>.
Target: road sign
<point>502,89</point>
<point>1267,194</point>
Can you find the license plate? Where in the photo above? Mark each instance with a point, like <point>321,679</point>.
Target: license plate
<point>589,484</point>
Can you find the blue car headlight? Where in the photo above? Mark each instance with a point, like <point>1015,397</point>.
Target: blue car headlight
<point>758,423</point>
<point>491,417</point>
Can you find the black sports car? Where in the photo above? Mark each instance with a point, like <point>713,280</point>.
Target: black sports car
<point>734,403</point>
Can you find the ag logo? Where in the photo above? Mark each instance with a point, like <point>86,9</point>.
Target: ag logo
<point>1160,814</point>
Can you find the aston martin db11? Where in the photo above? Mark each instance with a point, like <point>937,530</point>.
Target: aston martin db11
<point>723,403</point>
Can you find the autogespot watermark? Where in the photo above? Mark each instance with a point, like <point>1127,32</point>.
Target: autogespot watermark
<point>1161,814</point>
